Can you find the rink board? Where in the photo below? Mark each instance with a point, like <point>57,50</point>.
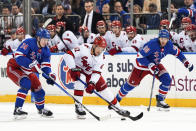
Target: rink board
<point>116,70</point>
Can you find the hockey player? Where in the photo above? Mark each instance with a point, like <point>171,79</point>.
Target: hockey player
<point>21,69</point>
<point>190,42</point>
<point>148,61</point>
<point>9,43</point>
<point>134,44</point>
<point>86,62</point>
<point>118,39</point>
<point>85,35</point>
<point>54,39</point>
<point>69,40</point>
<point>21,36</point>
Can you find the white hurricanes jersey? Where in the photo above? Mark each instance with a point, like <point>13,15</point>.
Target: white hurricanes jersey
<point>90,39</point>
<point>179,38</point>
<point>190,45</point>
<point>69,41</point>
<point>54,41</point>
<point>117,41</point>
<point>87,62</point>
<point>16,42</point>
<point>135,45</point>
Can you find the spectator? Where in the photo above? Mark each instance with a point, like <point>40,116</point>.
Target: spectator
<point>78,6</point>
<point>139,21</point>
<point>135,2</point>
<point>36,6</point>
<point>119,9</point>
<point>35,22</point>
<point>60,17</point>
<point>73,19</point>
<point>91,18</point>
<point>100,4</point>
<point>146,8</point>
<point>176,22</point>
<point>5,21</point>
<point>17,16</point>
<point>106,11</point>
<point>47,7</point>
<point>153,20</point>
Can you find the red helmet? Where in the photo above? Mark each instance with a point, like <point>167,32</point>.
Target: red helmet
<point>83,28</point>
<point>116,23</point>
<point>100,23</point>
<point>51,27</point>
<point>100,41</point>
<point>186,20</point>
<point>130,29</point>
<point>20,30</point>
<point>164,22</point>
<point>61,23</point>
<point>191,27</point>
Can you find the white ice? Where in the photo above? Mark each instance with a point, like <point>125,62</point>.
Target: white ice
<point>177,119</point>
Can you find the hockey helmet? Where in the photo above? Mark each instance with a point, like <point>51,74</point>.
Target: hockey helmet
<point>51,27</point>
<point>100,41</point>
<point>186,20</point>
<point>191,27</point>
<point>61,24</point>
<point>130,29</point>
<point>164,22</point>
<point>20,30</point>
<point>116,23</point>
<point>163,33</point>
<point>100,23</point>
<point>43,33</point>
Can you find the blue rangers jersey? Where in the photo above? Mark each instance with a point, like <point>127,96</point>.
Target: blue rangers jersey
<point>152,52</point>
<point>28,51</point>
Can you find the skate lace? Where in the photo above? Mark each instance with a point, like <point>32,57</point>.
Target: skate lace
<point>45,111</point>
<point>19,109</point>
<point>163,103</point>
<point>79,107</point>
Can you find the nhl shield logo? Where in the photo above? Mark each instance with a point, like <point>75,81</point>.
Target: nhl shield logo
<point>64,76</point>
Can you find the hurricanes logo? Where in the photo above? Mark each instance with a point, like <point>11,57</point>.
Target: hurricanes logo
<point>64,76</point>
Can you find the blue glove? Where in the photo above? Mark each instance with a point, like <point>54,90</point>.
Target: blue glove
<point>52,79</point>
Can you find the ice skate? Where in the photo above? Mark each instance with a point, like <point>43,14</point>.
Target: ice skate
<point>162,106</point>
<point>121,112</point>
<point>81,114</point>
<point>19,113</point>
<point>45,113</point>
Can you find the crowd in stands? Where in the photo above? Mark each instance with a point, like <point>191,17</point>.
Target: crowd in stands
<point>72,14</point>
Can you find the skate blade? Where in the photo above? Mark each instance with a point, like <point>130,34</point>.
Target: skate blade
<point>81,117</point>
<point>20,117</point>
<point>163,109</point>
<point>47,116</point>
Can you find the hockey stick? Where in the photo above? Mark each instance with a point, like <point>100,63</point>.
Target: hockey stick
<point>47,22</point>
<point>95,116</point>
<point>116,109</point>
<point>172,20</point>
<point>148,109</point>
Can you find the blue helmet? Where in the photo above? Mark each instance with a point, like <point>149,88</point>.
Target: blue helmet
<point>43,33</point>
<point>164,33</point>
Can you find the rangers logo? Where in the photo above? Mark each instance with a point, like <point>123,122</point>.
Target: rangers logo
<point>64,76</point>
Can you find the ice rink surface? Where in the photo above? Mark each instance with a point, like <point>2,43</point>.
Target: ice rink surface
<point>177,119</point>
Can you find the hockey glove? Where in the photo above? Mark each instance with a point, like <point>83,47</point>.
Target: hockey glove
<point>5,51</point>
<point>54,49</point>
<point>188,65</point>
<point>75,73</point>
<point>52,78</point>
<point>90,88</point>
<point>153,68</point>
<point>35,66</point>
<point>115,50</point>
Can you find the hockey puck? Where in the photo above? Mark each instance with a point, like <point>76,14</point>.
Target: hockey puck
<point>123,119</point>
